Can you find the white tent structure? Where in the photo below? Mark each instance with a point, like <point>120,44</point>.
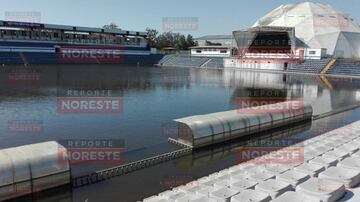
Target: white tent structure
<point>318,26</point>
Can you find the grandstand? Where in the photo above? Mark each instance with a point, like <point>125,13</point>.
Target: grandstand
<point>35,43</point>
<point>309,66</point>
<point>345,67</point>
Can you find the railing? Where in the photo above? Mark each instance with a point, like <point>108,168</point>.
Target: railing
<point>73,41</point>
<point>109,173</point>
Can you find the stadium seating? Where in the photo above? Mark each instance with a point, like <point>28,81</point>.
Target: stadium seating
<point>205,62</point>
<point>309,66</point>
<point>40,58</point>
<point>313,180</point>
<point>215,63</point>
<point>345,67</point>
<point>10,58</point>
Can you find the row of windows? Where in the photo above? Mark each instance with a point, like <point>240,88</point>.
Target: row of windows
<point>221,51</point>
<point>64,36</point>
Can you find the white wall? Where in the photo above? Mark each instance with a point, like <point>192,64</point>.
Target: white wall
<point>236,63</point>
<point>315,53</point>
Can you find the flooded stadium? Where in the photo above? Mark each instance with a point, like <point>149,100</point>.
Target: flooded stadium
<point>150,99</point>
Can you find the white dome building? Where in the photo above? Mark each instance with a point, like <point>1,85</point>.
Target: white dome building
<point>318,26</point>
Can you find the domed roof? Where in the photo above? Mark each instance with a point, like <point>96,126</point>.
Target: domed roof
<point>318,26</point>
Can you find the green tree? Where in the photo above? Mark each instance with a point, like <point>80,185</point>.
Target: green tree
<point>169,39</point>
<point>112,25</point>
<point>152,37</point>
<point>190,41</point>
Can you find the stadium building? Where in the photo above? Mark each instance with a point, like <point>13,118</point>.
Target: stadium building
<point>294,33</point>
<point>318,26</point>
<point>36,43</point>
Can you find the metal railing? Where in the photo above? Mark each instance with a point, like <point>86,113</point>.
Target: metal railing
<point>109,173</point>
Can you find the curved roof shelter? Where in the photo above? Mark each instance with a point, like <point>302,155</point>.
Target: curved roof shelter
<point>203,130</point>
<point>33,168</point>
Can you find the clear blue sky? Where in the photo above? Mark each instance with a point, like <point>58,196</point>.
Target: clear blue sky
<point>214,16</point>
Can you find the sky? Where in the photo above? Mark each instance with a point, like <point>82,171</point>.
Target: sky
<point>210,16</point>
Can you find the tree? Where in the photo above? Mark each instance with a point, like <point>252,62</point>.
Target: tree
<point>190,41</point>
<point>112,25</point>
<point>169,39</point>
<point>152,37</point>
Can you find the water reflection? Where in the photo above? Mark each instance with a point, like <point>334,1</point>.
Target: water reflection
<point>152,98</point>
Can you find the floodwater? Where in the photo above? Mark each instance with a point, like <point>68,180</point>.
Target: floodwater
<point>150,98</point>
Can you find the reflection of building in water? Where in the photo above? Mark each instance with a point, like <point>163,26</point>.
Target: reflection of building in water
<point>224,151</point>
<point>43,81</point>
<point>322,93</point>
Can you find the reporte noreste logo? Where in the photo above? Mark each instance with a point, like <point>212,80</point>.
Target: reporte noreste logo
<point>89,101</point>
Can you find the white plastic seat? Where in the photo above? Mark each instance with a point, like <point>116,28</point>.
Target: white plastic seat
<point>224,177</point>
<point>243,184</point>
<point>154,199</point>
<point>185,198</point>
<point>167,193</point>
<point>209,183</point>
<point>295,197</point>
<point>350,163</point>
<point>251,196</point>
<point>310,169</point>
<point>202,199</point>
<point>348,177</point>
<point>224,172</point>
<point>311,154</point>
<point>223,194</point>
<point>350,148</point>
<point>339,154</point>
<point>274,187</point>
<point>293,177</point>
<point>278,169</point>
<point>176,195</point>
<point>331,144</point>
<point>356,154</point>
<point>326,190</point>
<point>205,191</point>
<point>259,177</point>
<point>203,179</point>
<point>191,189</point>
<point>324,161</point>
<point>322,149</point>
<point>222,184</point>
<point>239,176</point>
<point>235,168</point>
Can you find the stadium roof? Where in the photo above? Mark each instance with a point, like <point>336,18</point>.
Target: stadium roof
<point>69,28</point>
<point>215,37</point>
<point>318,26</point>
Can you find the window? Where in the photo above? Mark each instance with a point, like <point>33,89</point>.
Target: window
<point>223,51</point>
<point>312,52</point>
<point>56,35</point>
<point>198,51</point>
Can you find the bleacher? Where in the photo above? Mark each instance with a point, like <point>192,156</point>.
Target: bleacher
<point>165,59</point>
<point>184,61</point>
<point>40,58</point>
<point>345,67</point>
<point>215,63</point>
<point>10,58</point>
<point>309,66</point>
<point>329,172</point>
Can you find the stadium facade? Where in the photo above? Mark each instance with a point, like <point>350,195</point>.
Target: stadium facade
<point>293,34</point>
<point>318,26</point>
<point>36,43</point>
